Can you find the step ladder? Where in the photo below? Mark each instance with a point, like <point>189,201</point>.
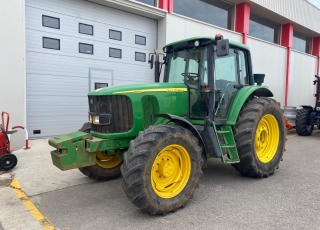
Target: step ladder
<point>229,144</point>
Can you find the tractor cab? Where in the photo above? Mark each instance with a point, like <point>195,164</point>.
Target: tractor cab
<point>200,64</point>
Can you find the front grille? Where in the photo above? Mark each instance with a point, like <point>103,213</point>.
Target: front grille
<point>118,106</point>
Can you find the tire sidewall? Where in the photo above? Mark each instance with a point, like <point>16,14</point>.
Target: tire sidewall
<point>276,112</point>
<point>174,202</point>
<point>13,161</point>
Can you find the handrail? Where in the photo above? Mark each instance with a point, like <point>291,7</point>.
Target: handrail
<point>8,119</point>
<point>27,136</point>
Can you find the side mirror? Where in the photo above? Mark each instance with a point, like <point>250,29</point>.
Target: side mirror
<point>151,60</point>
<point>258,78</point>
<point>223,47</point>
<point>164,59</point>
<point>315,81</point>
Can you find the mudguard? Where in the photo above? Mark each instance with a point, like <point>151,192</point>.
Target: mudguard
<point>180,121</point>
<point>241,97</point>
<point>306,107</point>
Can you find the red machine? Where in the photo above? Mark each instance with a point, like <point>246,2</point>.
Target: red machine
<point>7,160</point>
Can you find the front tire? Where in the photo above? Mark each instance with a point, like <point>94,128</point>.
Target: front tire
<point>161,169</point>
<point>303,126</point>
<point>260,136</point>
<point>106,167</point>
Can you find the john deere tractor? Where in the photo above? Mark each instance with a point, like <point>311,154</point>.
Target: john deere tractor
<point>307,117</point>
<point>160,135</point>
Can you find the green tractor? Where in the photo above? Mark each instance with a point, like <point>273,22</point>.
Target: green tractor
<point>160,135</point>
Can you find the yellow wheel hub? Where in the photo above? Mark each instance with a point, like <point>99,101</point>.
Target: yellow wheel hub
<point>170,171</point>
<point>267,138</point>
<point>107,162</point>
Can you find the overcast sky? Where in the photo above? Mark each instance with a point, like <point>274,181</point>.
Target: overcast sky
<point>315,2</point>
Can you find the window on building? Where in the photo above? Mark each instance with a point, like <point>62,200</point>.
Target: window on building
<point>85,29</point>
<point>115,53</point>
<point>215,12</point>
<point>301,42</point>
<point>51,22</point>
<point>264,29</point>
<point>85,48</point>
<point>115,35</point>
<point>140,57</point>
<point>149,2</point>
<point>51,43</point>
<point>99,85</point>
<point>141,40</point>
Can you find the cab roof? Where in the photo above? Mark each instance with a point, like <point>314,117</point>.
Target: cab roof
<point>203,41</point>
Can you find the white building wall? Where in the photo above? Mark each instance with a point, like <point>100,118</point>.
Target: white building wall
<point>180,27</point>
<point>302,71</point>
<point>270,59</point>
<point>12,62</point>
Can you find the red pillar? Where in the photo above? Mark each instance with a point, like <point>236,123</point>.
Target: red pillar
<point>286,40</point>
<point>243,20</point>
<point>316,51</point>
<point>166,5</point>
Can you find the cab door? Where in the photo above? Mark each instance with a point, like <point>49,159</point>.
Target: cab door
<point>229,71</point>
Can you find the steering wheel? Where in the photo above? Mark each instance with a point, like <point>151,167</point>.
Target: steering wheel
<point>191,76</point>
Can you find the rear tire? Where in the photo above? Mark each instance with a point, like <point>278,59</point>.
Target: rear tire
<point>106,170</point>
<point>303,126</point>
<point>161,169</point>
<point>260,136</point>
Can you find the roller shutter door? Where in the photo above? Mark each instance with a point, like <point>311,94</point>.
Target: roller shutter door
<point>71,47</point>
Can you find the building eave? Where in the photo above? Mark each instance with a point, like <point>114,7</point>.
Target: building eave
<point>134,7</point>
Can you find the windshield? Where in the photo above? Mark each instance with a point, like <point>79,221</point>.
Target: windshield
<point>186,66</point>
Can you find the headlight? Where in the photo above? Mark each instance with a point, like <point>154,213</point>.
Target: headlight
<point>96,120</point>
<point>196,43</point>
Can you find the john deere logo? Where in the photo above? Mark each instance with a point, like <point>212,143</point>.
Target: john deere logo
<point>91,101</point>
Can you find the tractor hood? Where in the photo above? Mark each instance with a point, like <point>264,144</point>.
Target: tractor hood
<point>132,108</point>
<point>141,89</point>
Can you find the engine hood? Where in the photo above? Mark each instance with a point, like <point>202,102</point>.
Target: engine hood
<point>140,89</point>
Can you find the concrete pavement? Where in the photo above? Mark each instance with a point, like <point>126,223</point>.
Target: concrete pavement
<point>36,175</point>
<point>225,200</point>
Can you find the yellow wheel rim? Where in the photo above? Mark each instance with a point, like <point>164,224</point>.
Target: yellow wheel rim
<point>267,138</point>
<point>107,162</point>
<point>170,171</point>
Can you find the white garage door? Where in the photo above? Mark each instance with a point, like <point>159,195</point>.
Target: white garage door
<point>72,46</point>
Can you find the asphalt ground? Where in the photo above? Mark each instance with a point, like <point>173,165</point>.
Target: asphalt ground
<point>289,199</point>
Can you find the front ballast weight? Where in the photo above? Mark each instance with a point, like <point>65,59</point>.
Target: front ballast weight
<point>79,149</point>
<point>71,151</point>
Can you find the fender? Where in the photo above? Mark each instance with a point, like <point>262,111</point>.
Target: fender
<point>241,97</point>
<point>180,121</point>
<point>306,107</point>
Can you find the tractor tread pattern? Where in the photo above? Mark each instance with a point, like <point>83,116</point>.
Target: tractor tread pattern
<point>301,122</point>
